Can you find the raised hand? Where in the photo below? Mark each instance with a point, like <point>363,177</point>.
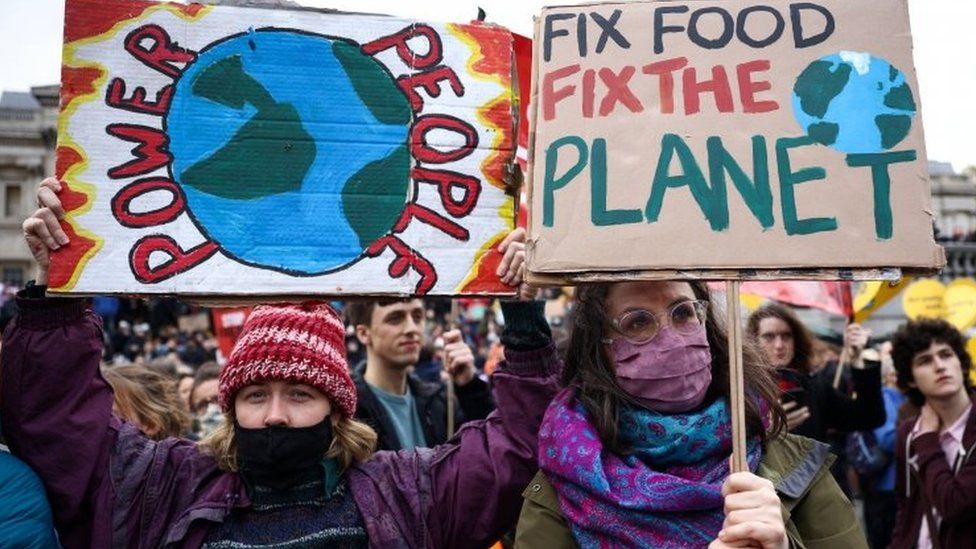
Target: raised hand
<point>42,230</point>
<point>458,358</point>
<point>512,267</point>
<point>855,340</point>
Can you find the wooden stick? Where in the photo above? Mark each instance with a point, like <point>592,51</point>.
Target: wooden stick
<point>454,323</point>
<point>841,361</point>
<point>736,381</point>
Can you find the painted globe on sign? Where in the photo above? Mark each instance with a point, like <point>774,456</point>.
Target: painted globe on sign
<point>291,149</point>
<point>854,102</point>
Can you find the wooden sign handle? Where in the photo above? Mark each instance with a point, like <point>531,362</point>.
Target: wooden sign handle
<point>455,323</point>
<point>737,388</point>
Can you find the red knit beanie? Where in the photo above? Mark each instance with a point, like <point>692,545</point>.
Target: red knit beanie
<point>301,343</point>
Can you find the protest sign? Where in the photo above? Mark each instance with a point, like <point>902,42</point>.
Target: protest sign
<point>734,137</point>
<point>227,325</point>
<point>925,299</point>
<point>220,150</point>
<point>960,300</point>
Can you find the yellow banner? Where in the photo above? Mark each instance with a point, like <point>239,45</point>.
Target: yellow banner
<point>872,295</point>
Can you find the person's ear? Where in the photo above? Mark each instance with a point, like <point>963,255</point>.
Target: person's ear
<point>362,334</point>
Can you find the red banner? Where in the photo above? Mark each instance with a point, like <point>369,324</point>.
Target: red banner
<point>227,325</point>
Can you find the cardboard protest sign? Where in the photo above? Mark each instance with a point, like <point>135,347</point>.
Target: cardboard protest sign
<point>221,150</point>
<point>727,136</point>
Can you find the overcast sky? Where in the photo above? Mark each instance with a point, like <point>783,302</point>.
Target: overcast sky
<point>945,52</point>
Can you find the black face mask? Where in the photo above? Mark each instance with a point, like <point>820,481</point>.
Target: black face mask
<point>281,457</point>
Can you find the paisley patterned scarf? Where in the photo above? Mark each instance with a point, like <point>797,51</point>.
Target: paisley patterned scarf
<point>665,493</point>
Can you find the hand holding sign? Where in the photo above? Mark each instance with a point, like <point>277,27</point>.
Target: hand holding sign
<point>512,268</point>
<point>855,341</point>
<point>458,358</point>
<point>42,230</point>
<point>753,514</point>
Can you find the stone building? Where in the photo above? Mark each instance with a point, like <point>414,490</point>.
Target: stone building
<point>28,130</point>
<point>954,201</point>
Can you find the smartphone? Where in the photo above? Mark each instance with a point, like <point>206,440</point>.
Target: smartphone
<point>791,387</point>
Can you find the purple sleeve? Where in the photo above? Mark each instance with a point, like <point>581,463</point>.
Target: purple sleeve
<point>56,408</point>
<point>952,495</point>
<point>466,492</point>
<point>478,477</point>
<point>902,519</point>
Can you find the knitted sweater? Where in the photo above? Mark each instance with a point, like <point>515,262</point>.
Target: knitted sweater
<point>318,513</point>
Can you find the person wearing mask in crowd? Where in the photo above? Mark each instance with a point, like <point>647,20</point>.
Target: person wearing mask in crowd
<point>147,399</point>
<point>290,468</point>
<point>405,411</point>
<point>634,452</point>
<point>935,480</point>
<point>815,407</point>
<point>204,402</point>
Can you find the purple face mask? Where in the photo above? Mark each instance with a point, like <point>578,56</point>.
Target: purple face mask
<point>671,373</point>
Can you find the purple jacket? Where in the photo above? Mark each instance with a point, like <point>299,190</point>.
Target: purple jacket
<point>110,486</point>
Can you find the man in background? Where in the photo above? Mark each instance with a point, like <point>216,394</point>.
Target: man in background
<point>405,411</point>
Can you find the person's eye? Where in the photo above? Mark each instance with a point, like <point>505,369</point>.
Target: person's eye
<point>684,313</point>
<point>300,394</point>
<point>636,321</point>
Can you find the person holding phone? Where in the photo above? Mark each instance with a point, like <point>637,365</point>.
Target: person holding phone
<point>816,406</point>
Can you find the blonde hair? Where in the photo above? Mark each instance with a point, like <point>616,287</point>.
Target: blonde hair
<point>148,399</point>
<point>352,442</point>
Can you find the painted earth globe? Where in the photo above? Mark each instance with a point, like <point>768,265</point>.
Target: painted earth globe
<point>290,149</point>
<point>854,102</point>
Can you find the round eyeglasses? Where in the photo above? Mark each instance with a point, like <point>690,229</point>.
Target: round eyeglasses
<point>641,325</point>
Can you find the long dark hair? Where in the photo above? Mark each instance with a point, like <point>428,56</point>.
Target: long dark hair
<point>591,370</point>
<point>802,339</point>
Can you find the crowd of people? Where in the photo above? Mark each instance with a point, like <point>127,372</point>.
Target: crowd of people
<point>596,419</point>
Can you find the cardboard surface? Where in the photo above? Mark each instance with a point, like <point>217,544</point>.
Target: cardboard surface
<point>730,137</point>
<point>236,151</point>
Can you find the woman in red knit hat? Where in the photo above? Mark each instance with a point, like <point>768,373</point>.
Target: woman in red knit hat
<point>291,468</point>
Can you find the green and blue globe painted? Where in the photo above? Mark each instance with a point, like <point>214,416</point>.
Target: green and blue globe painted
<point>854,102</point>
<point>291,149</point>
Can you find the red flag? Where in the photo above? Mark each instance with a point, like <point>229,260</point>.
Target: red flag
<point>833,297</point>
<point>227,323</point>
<point>523,66</point>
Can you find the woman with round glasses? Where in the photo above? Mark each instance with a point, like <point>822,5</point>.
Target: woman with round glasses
<point>634,451</point>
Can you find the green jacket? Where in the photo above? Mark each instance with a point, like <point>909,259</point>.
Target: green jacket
<point>815,511</point>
